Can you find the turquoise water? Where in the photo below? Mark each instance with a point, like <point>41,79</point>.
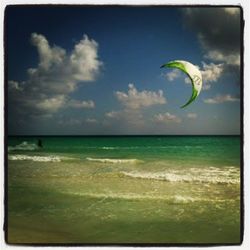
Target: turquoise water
<point>217,150</point>
<point>124,189</point>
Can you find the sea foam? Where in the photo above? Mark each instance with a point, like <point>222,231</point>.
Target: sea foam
<point>175,199</point>
<point>226,175</point>
<point>24,146</point>
<point>113,161</point>
<point>34,158</point>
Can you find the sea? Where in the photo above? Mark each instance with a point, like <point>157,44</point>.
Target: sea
<point>123,190</point>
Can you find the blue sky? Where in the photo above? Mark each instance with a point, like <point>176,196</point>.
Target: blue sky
<point>96,70</point>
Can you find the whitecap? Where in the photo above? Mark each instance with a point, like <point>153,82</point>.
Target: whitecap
<point>226,175</point>
<point>35,158</point>
<point>113,161</point>
<point>24,146</point>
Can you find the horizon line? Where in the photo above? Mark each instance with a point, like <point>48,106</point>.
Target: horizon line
<point>124,135</point>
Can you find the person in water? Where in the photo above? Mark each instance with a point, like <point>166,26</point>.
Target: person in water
<point>39,143</point>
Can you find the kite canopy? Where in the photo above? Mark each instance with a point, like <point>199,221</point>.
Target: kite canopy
<point>193,73</point>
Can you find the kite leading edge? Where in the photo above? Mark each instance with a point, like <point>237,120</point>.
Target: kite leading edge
<point>192,72</point>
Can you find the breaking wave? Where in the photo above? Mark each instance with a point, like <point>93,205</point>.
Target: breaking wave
<point>113,161</point>
<point>35,158</point>
<point>227,175</point>
<point>24,146</point>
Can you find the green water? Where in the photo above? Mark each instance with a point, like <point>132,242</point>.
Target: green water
<point>124,190</point>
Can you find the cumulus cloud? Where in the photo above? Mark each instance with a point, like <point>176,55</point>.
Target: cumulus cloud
<point>133,103</point>
<point>48,55</point>
<point>135,99</point>
<point>57,75</point>
<point>166,118</point>
<point>51,104</point>
<point>221,99</point>
<point>230,59</point>
<point>172,75</point>
<point>218,31</point>
<point>84,60</point>
<point>192,115</point>
<point>211,72</point>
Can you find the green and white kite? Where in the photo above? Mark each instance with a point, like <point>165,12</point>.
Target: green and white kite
<point>193,73</point>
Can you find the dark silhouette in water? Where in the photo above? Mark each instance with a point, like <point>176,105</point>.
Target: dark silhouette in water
<point>39,143</point>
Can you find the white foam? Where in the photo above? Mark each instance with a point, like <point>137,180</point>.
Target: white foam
<point>226,175</point>
<point>110,148</point>
<point>113,161</point>
<point>134,196</point>
<point>34,158</point>
<point>24,146</point>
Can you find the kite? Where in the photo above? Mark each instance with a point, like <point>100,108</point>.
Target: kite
<point>193,73</point>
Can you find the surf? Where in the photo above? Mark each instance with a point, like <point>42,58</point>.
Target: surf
<point>35,158</point>
<point>211,175</point>
<point>25,146</point>
<point>113,161</point>
<point>171,199</point>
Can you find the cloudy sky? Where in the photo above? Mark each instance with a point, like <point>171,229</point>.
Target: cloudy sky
<point>96,70</point>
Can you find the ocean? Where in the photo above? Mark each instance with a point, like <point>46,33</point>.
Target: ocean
<point>124,190</point>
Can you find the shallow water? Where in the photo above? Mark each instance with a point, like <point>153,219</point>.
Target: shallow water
<point>124,190</point>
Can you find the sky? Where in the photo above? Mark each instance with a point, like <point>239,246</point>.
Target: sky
<point>96,70</point>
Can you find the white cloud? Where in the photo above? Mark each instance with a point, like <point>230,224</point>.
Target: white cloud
<point>84,60</point>
<point>230,59</point>
<point>81,65</point>
<point>172,75</point>
<point>52,104</point>
<point>166,118</point>
<point>192,115</point>
<point>221,99</point>
<point>49,56</point>
<point>57,74</point>
<point>81,104</point>
<point>136,100</point>
<point>211,72</point>
<point>133,103</point>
